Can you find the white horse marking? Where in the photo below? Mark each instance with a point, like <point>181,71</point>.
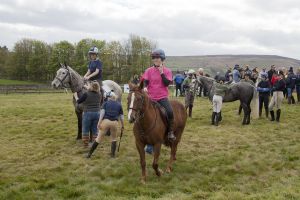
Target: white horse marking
<point>131,105</point>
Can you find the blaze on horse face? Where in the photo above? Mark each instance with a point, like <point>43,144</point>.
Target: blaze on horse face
<point>134,105</point>
<point>62,77</point>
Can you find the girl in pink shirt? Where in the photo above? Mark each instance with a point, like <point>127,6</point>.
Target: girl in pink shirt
<point>156,81</point>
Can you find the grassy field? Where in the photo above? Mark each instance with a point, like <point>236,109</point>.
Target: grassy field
<point>16,82</point>
<point>40,159</point>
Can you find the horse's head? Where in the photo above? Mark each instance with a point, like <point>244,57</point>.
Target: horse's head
<point>62,78</point>
<point>135,102</point>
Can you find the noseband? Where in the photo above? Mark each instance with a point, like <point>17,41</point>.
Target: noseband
<point>64,78</point>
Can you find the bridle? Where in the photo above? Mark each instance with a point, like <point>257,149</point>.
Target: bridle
<point>64,78</point>
<point>141,115</point>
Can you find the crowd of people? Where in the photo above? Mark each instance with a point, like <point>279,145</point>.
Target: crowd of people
<point>272,85</point>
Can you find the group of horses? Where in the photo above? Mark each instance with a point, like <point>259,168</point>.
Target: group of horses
<point>149,121</point>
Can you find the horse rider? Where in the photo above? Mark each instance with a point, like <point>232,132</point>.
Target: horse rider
<point>111,112</point>
<point>219,93</point>
<point>94,71</point>
<point>263,88</point>
<point>189,84</point>
<point>91,107</point>
<point>156,81</point>
<point>277,97</point>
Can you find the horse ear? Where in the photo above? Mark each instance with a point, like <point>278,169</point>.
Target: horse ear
<point>61,65</point>
<point>131,86</point>
<point>141,85</point>
<point>65,63</point>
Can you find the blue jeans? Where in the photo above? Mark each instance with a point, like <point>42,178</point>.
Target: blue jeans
<point>289,92</point>
<point>89,123</point>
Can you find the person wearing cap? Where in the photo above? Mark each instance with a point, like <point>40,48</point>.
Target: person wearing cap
<point>248,71</point>
<point>111,112</point>
<point>91,111</point>
<point>263,88</point>
<point>236,76</point>
<point>290,85</point>
<point>271,72</point>
<point>190,86</point>
<point>178,79</point>
<point>277,98</point>
<point>219,92</point>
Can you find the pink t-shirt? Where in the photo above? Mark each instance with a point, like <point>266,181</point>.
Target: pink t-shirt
<point>156,88</point>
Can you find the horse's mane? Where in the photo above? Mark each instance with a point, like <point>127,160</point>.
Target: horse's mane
<point>76,79</point>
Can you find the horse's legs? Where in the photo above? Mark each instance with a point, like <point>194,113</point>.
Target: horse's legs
<point>157,147</point>
<point>240,109</point>
<point>140,147</point>
<point>249,114</point>
<point>172,157</point>
<point>245,108</point>
<point>79,125</point>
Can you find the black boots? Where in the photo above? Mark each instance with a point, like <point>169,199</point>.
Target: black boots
<point>94,146</point>
<point>272,115</point>
<point>278,112</point>
<point>171,135</point>
<point>259,112</point>
<point>213,117</point>
<point>113,149</point>
<point>218,115</point>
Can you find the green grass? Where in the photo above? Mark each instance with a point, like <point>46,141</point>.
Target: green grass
<point>40,159</point>
<point>16,82</point>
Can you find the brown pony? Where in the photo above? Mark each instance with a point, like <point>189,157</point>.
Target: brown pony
<point>150,127</point>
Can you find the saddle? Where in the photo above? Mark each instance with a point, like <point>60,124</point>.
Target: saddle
<point>162,112</point>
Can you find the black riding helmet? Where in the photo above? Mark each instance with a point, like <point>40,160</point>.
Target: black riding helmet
<point>159,53</point>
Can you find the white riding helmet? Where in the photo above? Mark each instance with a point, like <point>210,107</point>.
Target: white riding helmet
<point>94,50</point>
<point>191,71</point>
<point>200,70</point>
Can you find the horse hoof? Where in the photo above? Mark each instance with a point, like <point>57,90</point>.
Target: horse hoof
<point>143,181</point>
<point>168,170</point>
<point>159,172</point>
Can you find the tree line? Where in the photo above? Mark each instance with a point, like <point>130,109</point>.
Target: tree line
<point>36,60</point>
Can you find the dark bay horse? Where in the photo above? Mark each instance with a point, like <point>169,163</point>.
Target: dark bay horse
<point>66,77</point>
<point>150,127</point>
<point>242,91</point>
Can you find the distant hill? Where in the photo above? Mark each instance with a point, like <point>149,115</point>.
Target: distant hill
<point>215,63</point>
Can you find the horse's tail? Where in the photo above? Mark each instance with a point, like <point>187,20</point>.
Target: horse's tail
<point>254,104</point>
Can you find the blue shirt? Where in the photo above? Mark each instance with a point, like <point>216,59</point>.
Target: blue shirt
<point>236,76</point>
<point>113,110</point>
<point>93,65</point>
<point>178,78</point>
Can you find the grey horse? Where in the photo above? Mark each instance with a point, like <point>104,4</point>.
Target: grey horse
<point>66,77</point>
<point>242,91</point>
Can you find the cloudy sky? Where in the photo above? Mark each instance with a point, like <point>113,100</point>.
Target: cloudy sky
<point>190,27</point>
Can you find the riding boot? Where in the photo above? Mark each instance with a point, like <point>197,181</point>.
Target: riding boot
<point>213,116</point>
<point>171,135</point>
<point>217,119</point>
<point>94,146</point>
<point>293,99</point>
<point>113,148</point>
<point>272,115</point>
<point>289,100</point>
<point>190,111</point>
<point>278,115</point>
<point>220,116</point>
<point>298,97</point>
<point>267,112</point>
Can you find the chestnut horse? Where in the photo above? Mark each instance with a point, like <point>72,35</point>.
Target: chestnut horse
<point>150,127</point>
